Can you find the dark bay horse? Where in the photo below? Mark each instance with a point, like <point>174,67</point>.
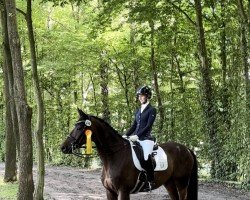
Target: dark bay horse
<point>119,174</point>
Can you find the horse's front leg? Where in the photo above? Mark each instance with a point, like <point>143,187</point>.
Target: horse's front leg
<point>123,195</point>
<point>111,195</point>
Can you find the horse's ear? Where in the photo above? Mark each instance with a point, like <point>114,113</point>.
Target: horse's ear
<point>82,114</point>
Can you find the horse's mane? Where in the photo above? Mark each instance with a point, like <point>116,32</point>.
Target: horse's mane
<point>107,124</point>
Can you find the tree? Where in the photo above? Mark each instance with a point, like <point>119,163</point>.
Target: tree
<point>154,72</point>
<point>24,112</point>
<point>208,98</point>
<point>10,173</point>
<point>245,32</point>
<point>104,86</point>
<point>40,108</point>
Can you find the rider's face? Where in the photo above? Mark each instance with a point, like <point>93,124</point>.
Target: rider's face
<point>143,99</point>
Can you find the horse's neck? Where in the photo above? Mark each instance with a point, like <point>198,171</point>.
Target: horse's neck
<point>107,141</point>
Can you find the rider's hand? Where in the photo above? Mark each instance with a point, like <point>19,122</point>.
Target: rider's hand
<point>133,138</point>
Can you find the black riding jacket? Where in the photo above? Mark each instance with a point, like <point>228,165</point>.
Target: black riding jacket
<point>143,123</point>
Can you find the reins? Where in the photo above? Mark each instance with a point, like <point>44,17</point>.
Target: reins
<point>81,155</point>
<point>84,155</point>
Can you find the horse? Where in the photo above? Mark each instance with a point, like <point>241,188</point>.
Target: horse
<point>119,174</point>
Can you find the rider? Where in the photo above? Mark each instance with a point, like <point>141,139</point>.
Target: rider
<point>141,128</point>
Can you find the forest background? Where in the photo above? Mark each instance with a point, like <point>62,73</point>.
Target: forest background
<point>96,54</point>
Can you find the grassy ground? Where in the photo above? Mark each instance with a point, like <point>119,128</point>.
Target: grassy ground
<point>8,190</point>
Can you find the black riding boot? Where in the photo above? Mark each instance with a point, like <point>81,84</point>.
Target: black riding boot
<point>150,169</point>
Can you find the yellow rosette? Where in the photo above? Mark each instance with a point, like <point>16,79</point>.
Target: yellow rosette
<point>88,134</point>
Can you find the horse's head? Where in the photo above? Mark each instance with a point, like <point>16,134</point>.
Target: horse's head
<point>77,136</point>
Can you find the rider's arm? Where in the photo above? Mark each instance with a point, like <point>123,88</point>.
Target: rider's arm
<point>133,127</point>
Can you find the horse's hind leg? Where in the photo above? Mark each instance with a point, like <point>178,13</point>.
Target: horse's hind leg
<point>182,186</point>
<point>172,190</point>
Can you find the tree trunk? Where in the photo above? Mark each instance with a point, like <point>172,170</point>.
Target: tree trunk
<point>154,71</point>
<point>94,95</point>
<point>187,113</point>
<point>208,100</point>
<point>13,108</point>
<point>245,32</point>
<point>40,108</point>
<point>24,112</point>
<point>227,167</point>
<point>135,74</point>
<point>104,89</point>
<point>123,77</point>
<point>10,173</point>
<point>11,90</point>
<point>172,110</point>
<point>134,62</point>
<point>223,56</point>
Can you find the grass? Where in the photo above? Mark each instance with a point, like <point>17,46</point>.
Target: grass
<point>8,190</point>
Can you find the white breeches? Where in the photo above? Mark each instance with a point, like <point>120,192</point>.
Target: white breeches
<point>147,146</point>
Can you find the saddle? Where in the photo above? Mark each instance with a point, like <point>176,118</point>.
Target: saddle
<point>159,160</point>
<point>139,152</point>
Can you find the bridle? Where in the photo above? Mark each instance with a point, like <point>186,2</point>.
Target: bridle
<point>76,142</point>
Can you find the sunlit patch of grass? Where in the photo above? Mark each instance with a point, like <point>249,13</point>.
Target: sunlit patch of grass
<point>8,190</point>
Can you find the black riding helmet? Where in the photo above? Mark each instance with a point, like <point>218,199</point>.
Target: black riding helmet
<point>145,90</point>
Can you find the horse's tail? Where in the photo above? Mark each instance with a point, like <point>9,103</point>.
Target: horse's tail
<point>192,193</point>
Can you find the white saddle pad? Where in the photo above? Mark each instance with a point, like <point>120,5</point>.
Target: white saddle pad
<point>160,159</point>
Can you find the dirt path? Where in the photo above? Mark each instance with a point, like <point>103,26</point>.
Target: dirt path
<point>66,183</point>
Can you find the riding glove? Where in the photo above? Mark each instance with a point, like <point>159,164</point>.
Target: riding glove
<point>133,138</point>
